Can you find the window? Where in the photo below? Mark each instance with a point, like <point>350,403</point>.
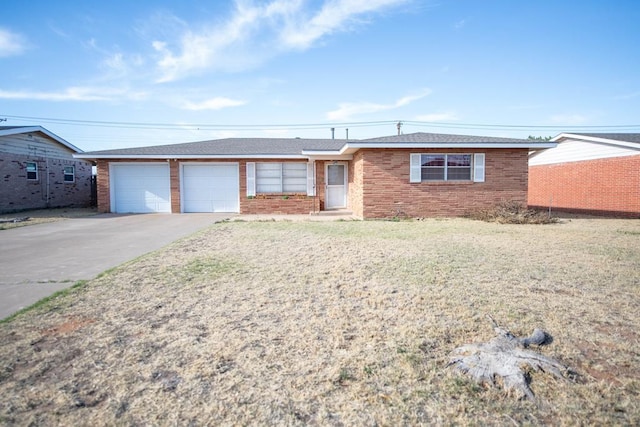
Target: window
<point>69,173</point>
<point>447,167</point>
<point>281,178</point>
<point>32,171</point>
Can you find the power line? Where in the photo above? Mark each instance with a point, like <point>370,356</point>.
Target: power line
<point>313,126</point>
<point>193,126</point>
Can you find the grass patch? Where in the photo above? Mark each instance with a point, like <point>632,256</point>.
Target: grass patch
<point>335,323</point>
<point>46,302</point>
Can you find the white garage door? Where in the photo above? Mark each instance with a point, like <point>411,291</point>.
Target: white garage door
<point>210,187</point>
<point>141,188</point>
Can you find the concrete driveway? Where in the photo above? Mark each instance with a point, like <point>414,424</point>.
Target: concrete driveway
<point>38,260</point>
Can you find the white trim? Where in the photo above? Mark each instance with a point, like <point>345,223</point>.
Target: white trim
<point>191,156</point>
<point>564,136</point>
<point>251,179</point>
<point>352,147</point>
<point>415,168</point>
<point>311,178</point>
<point>478,167</point>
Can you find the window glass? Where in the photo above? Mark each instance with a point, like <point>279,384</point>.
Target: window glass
<point>69,174</point>
<point>430,160</point>
<point>459,160</point>
<point>446,167</point>
<point>281,177</point>
<point>335,174</point>
<point>32,170</point>
<point>294,177</point>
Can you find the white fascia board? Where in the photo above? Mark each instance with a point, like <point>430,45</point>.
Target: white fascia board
<point>576,136</point>
<point>187,157</point>
<point>325,156</point>
<point>353,147</point>
<point>31,129</point>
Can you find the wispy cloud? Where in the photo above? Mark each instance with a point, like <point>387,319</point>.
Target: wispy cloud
<point>72,94</point>
<point>627,96</point>
<point>438,117</point>
<point>11,43</point>
<point>257,31</point>
<point>334,16</point>
<point>347,110</point>
<point>569,119</point>
<point>460,24</point>
<point>217,103</point>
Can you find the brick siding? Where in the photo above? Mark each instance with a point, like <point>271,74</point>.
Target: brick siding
<point>387,192</point>
<point>605,186</point>
<point>276,204</point>
<point>49,190</point>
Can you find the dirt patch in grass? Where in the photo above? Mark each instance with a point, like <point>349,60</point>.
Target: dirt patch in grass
<point>41,216</point>
<point>335,323</point>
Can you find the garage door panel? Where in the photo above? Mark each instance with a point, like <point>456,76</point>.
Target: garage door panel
<point>141,188</point>
<point>210,188</point>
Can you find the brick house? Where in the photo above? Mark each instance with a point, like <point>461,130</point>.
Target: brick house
<point>413,175</point>
<point>38,170</point>
<point>594,173</point>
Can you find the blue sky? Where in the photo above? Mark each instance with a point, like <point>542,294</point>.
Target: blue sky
<point>119,73</point>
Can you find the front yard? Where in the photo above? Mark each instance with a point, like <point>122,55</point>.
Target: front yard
<point>335,323</point>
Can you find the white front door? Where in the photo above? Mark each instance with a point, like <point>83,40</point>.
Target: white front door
<point>336,186</point>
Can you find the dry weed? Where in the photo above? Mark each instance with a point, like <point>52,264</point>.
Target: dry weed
<point>340,323</point>
<point>513,212</point>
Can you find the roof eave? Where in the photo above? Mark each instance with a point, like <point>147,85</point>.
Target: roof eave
<point>350,148</point>
<point>90,156</point>
<point>563,136</point>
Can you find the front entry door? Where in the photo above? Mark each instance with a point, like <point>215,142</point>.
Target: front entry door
<point>336,186</point>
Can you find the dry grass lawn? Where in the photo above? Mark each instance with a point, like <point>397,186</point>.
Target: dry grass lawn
<point>335,323</point>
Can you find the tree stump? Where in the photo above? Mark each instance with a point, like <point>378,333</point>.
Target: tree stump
<point>506,358</point>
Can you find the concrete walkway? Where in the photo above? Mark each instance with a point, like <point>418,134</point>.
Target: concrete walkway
<point>38,260</point>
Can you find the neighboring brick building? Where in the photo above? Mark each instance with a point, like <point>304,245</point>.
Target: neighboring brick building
<point>411,175</point>
<point>593,173</point>
<point>38,170</point>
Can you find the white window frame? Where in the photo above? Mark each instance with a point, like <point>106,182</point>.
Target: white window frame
<point>34,171</point>
<point>72,174</point>
<point>253,179</point>
<point>477,167</point>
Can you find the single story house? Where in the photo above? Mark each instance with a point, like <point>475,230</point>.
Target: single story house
<point>38,170</point>
<point>414,175</point>
<point>593,173</point>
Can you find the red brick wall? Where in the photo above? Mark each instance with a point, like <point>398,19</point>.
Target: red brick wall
<point>387,191</point>
<point>276,204</point>
<point>49,190</point>
<point>356,185</point>
<point>605,186</point>
<point>174,176</point>
<point>104,197</point>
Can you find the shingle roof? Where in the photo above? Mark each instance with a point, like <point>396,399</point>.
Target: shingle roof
<point>232,146</point>
<point>422,137</point>
<point>256,147</point>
